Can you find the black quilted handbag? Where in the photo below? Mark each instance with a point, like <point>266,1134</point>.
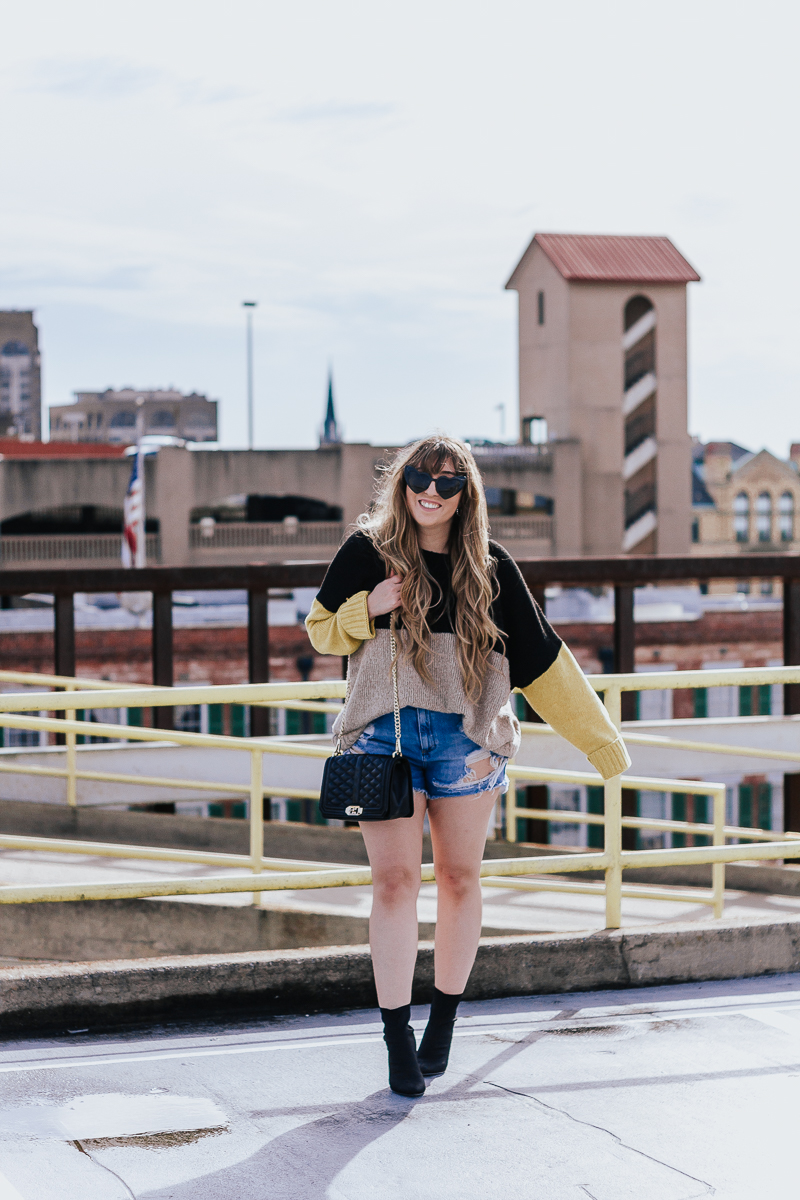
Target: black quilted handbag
<point>369,787</point>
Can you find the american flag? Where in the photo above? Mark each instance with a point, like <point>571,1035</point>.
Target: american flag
<point>133,543</point>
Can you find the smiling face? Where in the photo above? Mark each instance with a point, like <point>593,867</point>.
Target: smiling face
<point>428,508</point>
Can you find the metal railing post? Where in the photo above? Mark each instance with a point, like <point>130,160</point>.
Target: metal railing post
<point>791,694</point>
<point>511,813</point>
<point>256,816</point>
<point>718,869</point>
<point>163,669</point>
<point>791,642</point>
<point>258,654</point>
<point>613,825</point>
<point>64,640</point>
<point>625,644</point>
<point>72,765</point>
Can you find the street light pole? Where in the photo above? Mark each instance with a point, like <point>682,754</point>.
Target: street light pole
<point>249,305</point>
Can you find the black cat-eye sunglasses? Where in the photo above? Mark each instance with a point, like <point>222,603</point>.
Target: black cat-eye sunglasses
<point>446,485</point>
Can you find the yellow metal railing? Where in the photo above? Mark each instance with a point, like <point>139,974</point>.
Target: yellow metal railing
<point>269,874</point>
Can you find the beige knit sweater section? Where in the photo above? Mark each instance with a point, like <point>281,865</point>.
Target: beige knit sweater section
<point>489,721</point>
<point>561,695</point>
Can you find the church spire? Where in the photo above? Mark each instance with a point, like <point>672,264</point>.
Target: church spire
<point>330,434</point>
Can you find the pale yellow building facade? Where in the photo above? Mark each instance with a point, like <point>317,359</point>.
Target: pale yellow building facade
<point>744,502</point>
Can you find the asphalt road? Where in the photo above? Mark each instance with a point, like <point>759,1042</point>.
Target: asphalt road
<point>646,1094</point>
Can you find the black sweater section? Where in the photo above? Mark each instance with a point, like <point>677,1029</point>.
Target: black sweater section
<point>528,641</point>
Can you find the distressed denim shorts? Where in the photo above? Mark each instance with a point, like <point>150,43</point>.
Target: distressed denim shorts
<point>443,759</point>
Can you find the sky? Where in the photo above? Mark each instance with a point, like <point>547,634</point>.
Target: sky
<point>370,174</point>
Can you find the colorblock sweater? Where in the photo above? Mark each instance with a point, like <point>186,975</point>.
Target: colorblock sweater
<point>529,655</point>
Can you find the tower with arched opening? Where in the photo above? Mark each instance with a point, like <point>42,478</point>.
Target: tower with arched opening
<point>603,362</point>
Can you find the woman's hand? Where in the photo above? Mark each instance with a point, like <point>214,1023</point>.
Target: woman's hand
<point>385,597</point>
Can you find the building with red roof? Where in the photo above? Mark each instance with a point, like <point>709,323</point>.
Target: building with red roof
<point>603,364</point>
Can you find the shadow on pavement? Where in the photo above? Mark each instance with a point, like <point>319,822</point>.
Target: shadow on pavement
<point>300,1164</point>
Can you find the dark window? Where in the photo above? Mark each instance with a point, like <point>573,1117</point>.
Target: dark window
<point>501,501</point>
<point>187,718</point>
<point>123,420</point>
<point>540,307</point>
<point>696,529</point>
<point>741,517</point>
<point>277,508</point>
<point>635,310</point>
<point>534,431</point>
<point>163,419</point>
<point>641,500</point>
<point>640,359</point>
<point>641,425</point>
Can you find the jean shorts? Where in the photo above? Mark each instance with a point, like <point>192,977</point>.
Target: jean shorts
<point>442,757</point>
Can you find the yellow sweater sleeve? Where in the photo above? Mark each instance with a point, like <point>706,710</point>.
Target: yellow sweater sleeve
<point>563,698</point>
<point>341,632</point>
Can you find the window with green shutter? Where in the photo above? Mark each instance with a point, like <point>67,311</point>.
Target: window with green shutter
<point>755,805</point>
<point>238,720</point>
<point>701,815</point>
<point>678,814</point>
<point>215,718</point>
<point>304,722</point>
<point>596,804</point>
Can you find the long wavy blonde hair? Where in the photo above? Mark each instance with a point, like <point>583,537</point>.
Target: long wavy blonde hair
<point>393,532</point>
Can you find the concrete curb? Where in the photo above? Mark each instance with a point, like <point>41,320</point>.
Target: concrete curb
<point>324,979</point>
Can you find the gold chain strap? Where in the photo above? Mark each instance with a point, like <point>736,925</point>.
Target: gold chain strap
<point>396,696</point>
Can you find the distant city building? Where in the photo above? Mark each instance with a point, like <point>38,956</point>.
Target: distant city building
<point>744,501</point>
<point>603,365</point>
<point>20,377</point>
<point>120,417</point>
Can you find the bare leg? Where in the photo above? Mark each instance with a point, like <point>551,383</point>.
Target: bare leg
<point>458,832</point>
<point>395,855</point>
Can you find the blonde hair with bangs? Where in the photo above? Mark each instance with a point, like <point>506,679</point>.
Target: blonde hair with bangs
<point>393,531</point>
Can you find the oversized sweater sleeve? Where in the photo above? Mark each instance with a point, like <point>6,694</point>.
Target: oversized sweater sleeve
<point>341,632</point>
<point>545,671</point>
<point>563,698</point>
<point>339,622</point>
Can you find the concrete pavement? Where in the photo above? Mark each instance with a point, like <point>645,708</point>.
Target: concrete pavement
<point>667,1093</point>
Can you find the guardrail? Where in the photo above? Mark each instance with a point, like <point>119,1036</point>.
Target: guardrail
<point>268,874</point>
<point>515,528</point>
<point>624,572</point>
<point>235,535</point>
<point>27,548</point>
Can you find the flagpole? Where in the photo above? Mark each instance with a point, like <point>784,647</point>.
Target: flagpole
<point>134,546</point>
<point>140,559</point>
<point>141,544</point>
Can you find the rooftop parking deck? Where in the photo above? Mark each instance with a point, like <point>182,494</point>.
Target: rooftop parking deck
<point>671,1093</point>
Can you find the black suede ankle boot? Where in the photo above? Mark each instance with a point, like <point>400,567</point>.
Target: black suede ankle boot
<point>434,1050</point>
<point>405,1077</point>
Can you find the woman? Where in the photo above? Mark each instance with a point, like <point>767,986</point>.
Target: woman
<point>469,632</point>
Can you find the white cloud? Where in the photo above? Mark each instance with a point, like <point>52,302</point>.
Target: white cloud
<point>92,78</point>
